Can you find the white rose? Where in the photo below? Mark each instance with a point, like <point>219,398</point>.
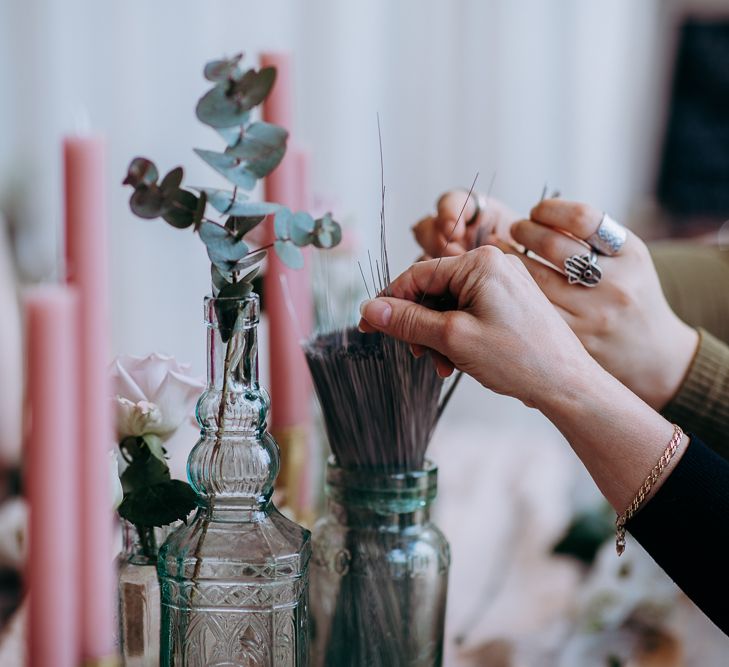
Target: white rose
<point>154,395</point>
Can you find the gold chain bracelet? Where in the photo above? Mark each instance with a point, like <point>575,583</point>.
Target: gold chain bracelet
<point>645,489</point>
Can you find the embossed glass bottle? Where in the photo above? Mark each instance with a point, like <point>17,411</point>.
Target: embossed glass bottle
<point>235,580</point>
<point>379,573</point>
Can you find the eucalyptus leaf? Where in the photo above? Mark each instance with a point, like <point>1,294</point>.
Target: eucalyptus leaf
<point>223,246</point>
<point>262,146</point>
<point>218,278</point>
<point>232,168</point>
<point>154,444</point>
<point>221,200</point>
<point>171,181</point>
<point>327,232</point>
<point>221,70</point>
<point>182,209</point>
<point>159,504</point>
<point>141,171</point>
<point>289,254</point>
<point>232,135</point>
<point>147,202</point>
<point>238,290</point>
<point>282,224</point>
<point>202,202</point>
<point>218,110</point>
<point>240,225</point>
<point>301,229</point>
<point>250,260</point>
<point>253,87</point>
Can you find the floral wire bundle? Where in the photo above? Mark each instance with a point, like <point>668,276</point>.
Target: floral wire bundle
<point>380,406</point>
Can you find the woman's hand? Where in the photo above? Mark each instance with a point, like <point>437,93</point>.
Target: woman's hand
<point>492,322</point>
<point>625,321</point>
<point>444,235</point>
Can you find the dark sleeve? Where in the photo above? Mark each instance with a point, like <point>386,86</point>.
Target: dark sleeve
<point>685,528</point>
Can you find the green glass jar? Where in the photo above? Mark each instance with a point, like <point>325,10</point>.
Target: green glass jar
<point>235,580</point>
<point>379,573</point>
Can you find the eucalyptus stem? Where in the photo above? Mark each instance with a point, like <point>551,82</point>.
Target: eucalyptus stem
<point>147,541</point>
<point>216,447</point>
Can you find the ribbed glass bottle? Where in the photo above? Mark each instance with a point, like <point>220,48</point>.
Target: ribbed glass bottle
<point>379,574</point>
<point>235,580</point>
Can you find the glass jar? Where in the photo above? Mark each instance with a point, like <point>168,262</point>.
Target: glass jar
<point>379,574</point>
<point>139,596</point>
<point>235,580</point>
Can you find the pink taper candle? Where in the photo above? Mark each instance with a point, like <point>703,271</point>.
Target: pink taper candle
<point>51,460</point>
<point>87,266</point>
<point>291,392</point>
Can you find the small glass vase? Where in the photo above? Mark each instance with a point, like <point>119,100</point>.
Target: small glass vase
<point>379,574</point>
<point>235,580</point>
<point>139,596</point>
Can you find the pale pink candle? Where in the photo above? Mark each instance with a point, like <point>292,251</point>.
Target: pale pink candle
<point>87,267</point>
<point>51,477</point>
<point>289,375</point>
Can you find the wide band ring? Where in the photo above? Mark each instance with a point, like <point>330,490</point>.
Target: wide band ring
<point>583,269</point>
<point>609,237</point>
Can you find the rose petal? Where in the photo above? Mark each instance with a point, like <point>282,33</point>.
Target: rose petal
<point>123,383</point>
<point>149,372</point>
<point>176,398</point>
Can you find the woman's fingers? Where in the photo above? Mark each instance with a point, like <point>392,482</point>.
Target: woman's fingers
<point>579,220</point>
<point>549,244</point>
<point>406,321</point>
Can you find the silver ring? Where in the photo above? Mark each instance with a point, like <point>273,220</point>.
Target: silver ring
<point>609,237</point>
<point>583,270</point>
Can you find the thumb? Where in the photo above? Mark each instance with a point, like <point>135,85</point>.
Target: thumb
<point>405,320</point>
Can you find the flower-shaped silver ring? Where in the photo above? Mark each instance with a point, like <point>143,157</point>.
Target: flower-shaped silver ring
<point>583,270</point>
<point>609,237</point>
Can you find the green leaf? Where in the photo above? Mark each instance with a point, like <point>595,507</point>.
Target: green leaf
<point>240,225</point>
<point>223,246</point>
<point>250,260</point>
<point>228,305</point>
<point>221,200</point>
<point>181,209</point>
<point>282,224</point>
<point>141,171</point>
<point>202,202</point>
<point>147,202</point>
<point>221,70</point>
<point>289,254</point>
<point>143,472</point>
<point>301,228</point>
<point>327,232</point>
<point>218,110</point>
<point>232,135</point>
<point>587,532</point>
<point>154,444</point>
<point>218,278</point>
<point>232,168</point>
<point>171,181</point>
<point>159,504</point>
<point>262,146</point>
<point>253,87</point>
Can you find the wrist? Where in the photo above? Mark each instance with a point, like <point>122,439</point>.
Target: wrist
<point>658,388</point>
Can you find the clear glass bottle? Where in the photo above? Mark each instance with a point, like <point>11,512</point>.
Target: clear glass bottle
<point>235,580</point>
<point>139,596</point>
<point>379,574</point>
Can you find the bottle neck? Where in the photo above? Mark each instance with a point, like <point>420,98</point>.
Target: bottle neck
<point>235,463</point>
<point>362,498</point>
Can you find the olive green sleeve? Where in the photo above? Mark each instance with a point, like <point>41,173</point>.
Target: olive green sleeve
<point>701,405</point>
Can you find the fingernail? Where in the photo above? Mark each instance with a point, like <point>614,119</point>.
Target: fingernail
<point>376,312</point>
